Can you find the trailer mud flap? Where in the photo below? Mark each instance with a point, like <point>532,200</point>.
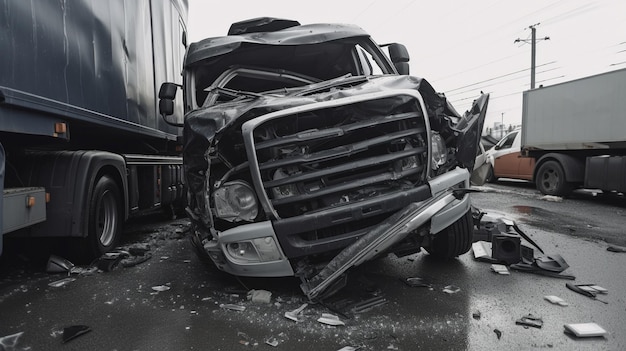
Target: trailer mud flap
<point>393,230</point>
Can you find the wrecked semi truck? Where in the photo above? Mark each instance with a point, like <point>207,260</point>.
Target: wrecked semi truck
<point>576,132</point>
<point>309,151</point>
<point>84,145</point>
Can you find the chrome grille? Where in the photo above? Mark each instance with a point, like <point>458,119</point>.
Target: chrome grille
<point>328,154</point>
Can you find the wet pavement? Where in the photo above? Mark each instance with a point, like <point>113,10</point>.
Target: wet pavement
<point>124,312</point>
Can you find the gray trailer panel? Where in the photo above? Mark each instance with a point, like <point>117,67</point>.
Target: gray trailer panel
<point>587,113</point>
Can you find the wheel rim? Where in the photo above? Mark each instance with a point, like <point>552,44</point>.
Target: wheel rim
<point>106,222</point>
<point>550,179</point>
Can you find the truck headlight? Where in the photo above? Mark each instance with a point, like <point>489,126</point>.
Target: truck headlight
<point>438,151</point>
<point>256,250</point>
<point>235,201</point>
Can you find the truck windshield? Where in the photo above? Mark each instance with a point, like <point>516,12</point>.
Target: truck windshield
<point>286,66</point>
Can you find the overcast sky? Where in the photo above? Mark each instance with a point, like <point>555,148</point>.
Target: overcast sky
<point>462,47</point>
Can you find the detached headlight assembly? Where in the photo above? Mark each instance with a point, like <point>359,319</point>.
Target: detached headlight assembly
<point>236,201</point>
<point>438,151</point>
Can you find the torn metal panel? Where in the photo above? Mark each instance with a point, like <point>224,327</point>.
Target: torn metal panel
<point>393,230</point>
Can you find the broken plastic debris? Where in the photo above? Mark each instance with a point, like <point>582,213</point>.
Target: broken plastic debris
<point>58,264</point>
<point>583,330</point>
<point>9,342</point>
<point>500,269</point>
<point>330,319</point>
<point>451,289</point>
<point>556,300</point>
<point>62,282</point>
<point>416,282</point>
<point>584,290</point>
<point>596,289</point>
<point>553,263</point>
<point>530,321</point>
<point>160,288</point>
<point>71,333</point>
<point>293,315</point>
<point>233,307</point>
<point>260,296</point>
<point>272,342</point>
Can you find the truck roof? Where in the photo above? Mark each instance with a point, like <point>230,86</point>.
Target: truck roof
<point>295,35</point>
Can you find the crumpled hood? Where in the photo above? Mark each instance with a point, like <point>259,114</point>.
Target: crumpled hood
<point>202,125</point>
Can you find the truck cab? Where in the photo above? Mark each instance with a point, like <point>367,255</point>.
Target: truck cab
<point>309,151</point>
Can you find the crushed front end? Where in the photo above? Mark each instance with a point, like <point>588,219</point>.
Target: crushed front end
<point>281,185</point>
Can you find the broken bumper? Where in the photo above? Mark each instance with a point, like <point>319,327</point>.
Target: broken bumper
<point>254,249</point>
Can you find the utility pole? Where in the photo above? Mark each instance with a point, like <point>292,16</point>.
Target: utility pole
<point>533,50</point>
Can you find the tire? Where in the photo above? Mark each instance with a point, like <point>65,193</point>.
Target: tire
<point>490,176</point>
<point>550,179</point>
<point>455,240</point>
<point>105,217</point>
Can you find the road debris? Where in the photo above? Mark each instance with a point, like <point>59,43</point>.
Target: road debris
<point>556,300</point>
<point>500,269</point>
<point>58,264</point>
<point>72,332</point>
<point>160,288</point>
<point>417,282</point>
<point>584,330</point>
<point>233,307</point>
<point>476,315</point>
<point>368,304</point>
<point>616,249</point>
<point>259,296</point>
<point>498,333</point>
<point>62,282</point>
<point>588,290</point>
<point>9,342</point>
<point>272,342</point>
<point>551,198</point>
<point>530,321</point>
<point>330,319</point>
<point>293,315</point>
<point>451,289</point>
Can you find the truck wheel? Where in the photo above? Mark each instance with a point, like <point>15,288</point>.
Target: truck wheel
<point>455,240</point>
<point>551,179</point>
<point>105,217</point>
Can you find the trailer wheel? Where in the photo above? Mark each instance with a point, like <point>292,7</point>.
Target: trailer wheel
<point>105,217</point>
<point>455,240</point>
<point>551,179</point>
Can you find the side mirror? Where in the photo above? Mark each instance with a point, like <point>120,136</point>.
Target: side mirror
<point>167,94</point>
<point>399,55</point>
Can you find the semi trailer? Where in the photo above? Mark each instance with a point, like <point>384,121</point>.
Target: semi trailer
<point>82,144</point>
<point>576,133</point>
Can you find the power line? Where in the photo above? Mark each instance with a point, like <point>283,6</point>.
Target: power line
<point>498,77</point>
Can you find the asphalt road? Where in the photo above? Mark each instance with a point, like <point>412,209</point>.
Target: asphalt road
<point>124,312</point>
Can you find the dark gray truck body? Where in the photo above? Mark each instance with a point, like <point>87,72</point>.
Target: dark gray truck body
<point>306,153</point>
<point>79,82</point>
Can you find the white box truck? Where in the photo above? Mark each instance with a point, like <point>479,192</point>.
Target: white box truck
<point>576,132</point>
